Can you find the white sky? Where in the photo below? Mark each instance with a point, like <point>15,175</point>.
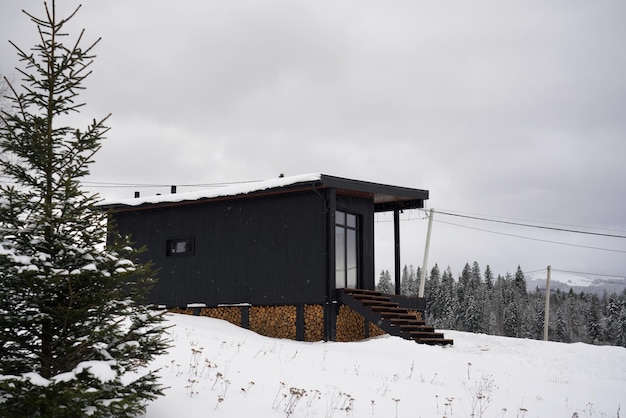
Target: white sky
<point>507,109</point>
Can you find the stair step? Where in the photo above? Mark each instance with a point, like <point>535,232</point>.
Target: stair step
<point>398,322</point>
<point>379,304</point>
<point>388,314</point>
<point>419,335</point>
<point>391,310</point>
<point>371,297</point>
<point>351,291</point>
<point>395,320</point>
<point>435,341</point>
<point>414,323</point>
<point>419,328</point>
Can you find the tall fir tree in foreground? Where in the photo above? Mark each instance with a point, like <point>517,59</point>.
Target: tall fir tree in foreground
<point>74,342</point>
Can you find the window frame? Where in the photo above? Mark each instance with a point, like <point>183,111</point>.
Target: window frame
<point>350,224</point>
<point>190,250</point>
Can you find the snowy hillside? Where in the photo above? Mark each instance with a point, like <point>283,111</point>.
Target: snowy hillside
<point>219,370</point>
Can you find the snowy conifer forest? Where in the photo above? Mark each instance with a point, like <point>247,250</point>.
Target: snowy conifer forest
<point>478,302</point>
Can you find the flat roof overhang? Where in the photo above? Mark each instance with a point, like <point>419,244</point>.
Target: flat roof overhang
<point>385,197</point>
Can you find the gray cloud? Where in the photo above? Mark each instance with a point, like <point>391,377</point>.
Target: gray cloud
<point>512,109</point>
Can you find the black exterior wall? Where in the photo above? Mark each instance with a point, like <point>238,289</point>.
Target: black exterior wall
<point>262,250</point>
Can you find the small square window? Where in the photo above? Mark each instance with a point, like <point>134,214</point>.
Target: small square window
<point>180,246</point>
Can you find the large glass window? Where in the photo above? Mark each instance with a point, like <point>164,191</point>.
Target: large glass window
<point>346,250</point>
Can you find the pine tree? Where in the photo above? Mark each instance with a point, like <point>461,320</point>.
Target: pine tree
<point>511,308</point>
<point>409,281</point>
<point>488,313</point>
<point>613,312</point>
<point>621,336</point>
<point>594,326</point>
<point>414,284</point>
<point>472,317</point>
<point>520,295</point>
<point>74,341</point>
<point>510,320</point>
<point>432,293</point>
<point>384,283</point>
<point>537,308</point>
<point>475,281</point>
<point>560,330</point>
<point>488,278</point>
<point>567,309</point>
<point>475,314</point>
<point>462,288</point>
<point>448,301</point>
<point>520,282</point>
<point>405,281</point>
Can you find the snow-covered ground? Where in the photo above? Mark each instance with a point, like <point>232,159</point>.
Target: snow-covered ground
<point>219,370</point>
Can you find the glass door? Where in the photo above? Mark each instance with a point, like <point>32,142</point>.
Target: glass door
<point>346,250</point>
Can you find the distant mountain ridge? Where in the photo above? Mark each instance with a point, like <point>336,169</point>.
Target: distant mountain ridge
<point>565,281</point>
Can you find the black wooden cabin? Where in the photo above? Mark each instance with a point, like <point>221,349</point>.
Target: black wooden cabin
<point>289,241</point>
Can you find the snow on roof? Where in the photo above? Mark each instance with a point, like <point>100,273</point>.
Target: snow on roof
<point>232,190</point>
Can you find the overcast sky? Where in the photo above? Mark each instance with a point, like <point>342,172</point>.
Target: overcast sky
<point>511,110</point>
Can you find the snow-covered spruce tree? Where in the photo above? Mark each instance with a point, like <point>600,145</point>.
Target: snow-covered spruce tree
<point>73,339</point>
<point>384,284</point>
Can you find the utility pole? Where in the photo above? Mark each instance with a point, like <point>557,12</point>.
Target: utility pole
<point>546,320</point>
<point>426,248</point>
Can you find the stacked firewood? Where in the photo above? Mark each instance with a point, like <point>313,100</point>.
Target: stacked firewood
<point>231,314</point>
<point>280,321</point>
<point>274,321</point>
<point>313,322</point>
<point>186,311</point>
<point>350,325</point>
<point>375,330</point>
<point>418,314</point>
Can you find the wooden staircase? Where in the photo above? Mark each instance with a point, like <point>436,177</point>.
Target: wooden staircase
<point>379,309</point>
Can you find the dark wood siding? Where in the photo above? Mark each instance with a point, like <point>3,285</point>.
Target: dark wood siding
<point>264,250</point>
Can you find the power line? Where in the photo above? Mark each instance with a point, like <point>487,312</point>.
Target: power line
<point>532,239</point>
<point>591,274</point>
<point>534,271</point>
<point>120,185</point>
<point>530,225</point>
<point>579,272</point>
<point>532,220</point>
<point>127,185</point>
